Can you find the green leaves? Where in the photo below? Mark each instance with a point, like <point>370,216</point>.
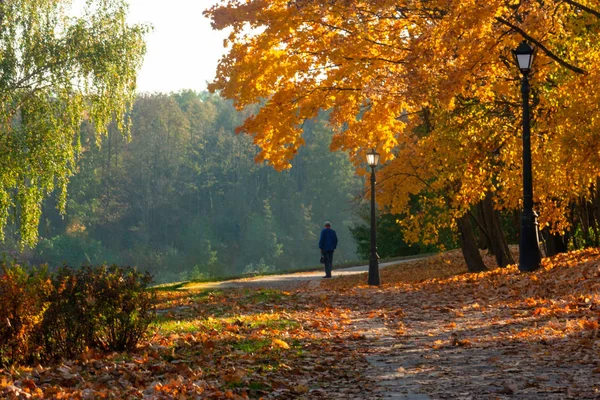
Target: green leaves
<point>56,71</point>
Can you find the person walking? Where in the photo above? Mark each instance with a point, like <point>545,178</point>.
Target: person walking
<point>327,243</point>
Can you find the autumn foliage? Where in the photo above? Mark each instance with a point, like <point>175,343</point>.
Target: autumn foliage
<point>432,86</point>
<point>23,295</point>
<point>61,315</point>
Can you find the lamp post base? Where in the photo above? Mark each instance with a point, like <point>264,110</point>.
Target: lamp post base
<point>374,272</point>
<point>529,245</point>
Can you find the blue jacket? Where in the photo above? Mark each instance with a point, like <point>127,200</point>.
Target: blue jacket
<point>328,240</point>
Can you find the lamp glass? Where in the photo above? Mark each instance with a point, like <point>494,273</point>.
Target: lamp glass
<point>373,158</point>
<point>524,56</point>
<point>524,61</point>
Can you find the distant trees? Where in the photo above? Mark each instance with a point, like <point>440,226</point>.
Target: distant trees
<point>184,198</point>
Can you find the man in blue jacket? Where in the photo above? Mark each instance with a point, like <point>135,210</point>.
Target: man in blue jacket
<point>327,243</point>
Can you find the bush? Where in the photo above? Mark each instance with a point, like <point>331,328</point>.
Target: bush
<point>63,314</point>
<point>108,308</point>
<point>23,299</point>
<point>67,326</point>
<point>124,307</point>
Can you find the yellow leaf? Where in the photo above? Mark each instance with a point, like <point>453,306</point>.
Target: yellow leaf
<point>280,343</point>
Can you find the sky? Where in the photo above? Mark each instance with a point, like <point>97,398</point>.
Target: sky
<point>182,50</point>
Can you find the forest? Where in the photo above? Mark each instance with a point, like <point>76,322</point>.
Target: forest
<point>190,185</point>
<point>183,198</point>
<point>433,87</point>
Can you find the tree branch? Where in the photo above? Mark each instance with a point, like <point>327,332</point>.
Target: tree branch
<point>541,46</point>
<point>581,6</point>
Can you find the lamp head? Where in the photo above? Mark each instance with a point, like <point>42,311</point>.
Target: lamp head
<point>524,57</point>
<point>373,158</point>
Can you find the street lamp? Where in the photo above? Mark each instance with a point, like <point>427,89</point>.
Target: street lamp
<point>529,247</point>
<point>373,160</point>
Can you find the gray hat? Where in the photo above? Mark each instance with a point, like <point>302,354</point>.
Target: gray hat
<point>327,223</point>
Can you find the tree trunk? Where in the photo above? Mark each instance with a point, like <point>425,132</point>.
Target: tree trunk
<point>593,214</point>
<point>574,223</point>
<point>483,241</point>
<point>498,244</point>
<point>594,224</point>
<point>555,243</point>
<point>468,245</point>
<point>584,220</point>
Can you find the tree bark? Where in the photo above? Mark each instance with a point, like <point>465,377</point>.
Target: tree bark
<point>555,243</point>
<point>468,245</point>
<point>483,241</point>
<point>574,222</point>
<point>584,220</point>
<point>497,238</point>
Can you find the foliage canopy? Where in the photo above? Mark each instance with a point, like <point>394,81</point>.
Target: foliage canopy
<point>432,86</point>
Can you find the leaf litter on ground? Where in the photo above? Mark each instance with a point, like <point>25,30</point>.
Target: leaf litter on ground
<point>313,342</point>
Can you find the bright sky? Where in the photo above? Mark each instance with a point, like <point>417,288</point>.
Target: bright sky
<point>182,50</point>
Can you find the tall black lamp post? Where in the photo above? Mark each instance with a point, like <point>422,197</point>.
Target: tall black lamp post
<point>373,160</point>
<point>529,248</point>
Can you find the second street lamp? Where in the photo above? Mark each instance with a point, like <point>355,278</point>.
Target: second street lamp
<point>529,247</point>
<point>373,160</point>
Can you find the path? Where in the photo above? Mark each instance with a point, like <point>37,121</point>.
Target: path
<point>460,350</point>
<point>425,345</point>
<point>289,280</point>
<point>380,348</point>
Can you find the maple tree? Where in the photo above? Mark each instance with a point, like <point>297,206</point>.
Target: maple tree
<point>432,86</point>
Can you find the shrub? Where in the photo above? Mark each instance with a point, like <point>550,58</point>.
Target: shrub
<point>23,300</point>
<point>108,308</point>
<point>67,326</point>
<point>124,307</point>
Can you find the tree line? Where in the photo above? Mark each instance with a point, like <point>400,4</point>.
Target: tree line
<point>183,197</point>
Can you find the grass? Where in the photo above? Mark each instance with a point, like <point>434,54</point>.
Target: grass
<point>272,322</point>
<point>251,346</point>
<point>168,326</point>
<point>265,296</point>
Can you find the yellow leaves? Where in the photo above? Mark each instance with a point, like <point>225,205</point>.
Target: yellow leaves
<point>587,324</point>
<point>293,45</point>
<point>234,376</point>
<point>444,81</point>
<point>278,343</point>
<point>301,389</point>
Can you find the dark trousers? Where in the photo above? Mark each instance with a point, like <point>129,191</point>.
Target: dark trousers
<point>328,256</point>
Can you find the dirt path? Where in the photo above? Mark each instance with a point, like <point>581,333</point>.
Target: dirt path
<point>461,350</point>
<point>380,348</point>
<point>423,345</point>
<point>288,281</point>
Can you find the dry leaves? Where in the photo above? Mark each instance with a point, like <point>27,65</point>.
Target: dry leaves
<point>312,342</point>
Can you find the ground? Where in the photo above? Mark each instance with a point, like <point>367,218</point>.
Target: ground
<point>431,331</point>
